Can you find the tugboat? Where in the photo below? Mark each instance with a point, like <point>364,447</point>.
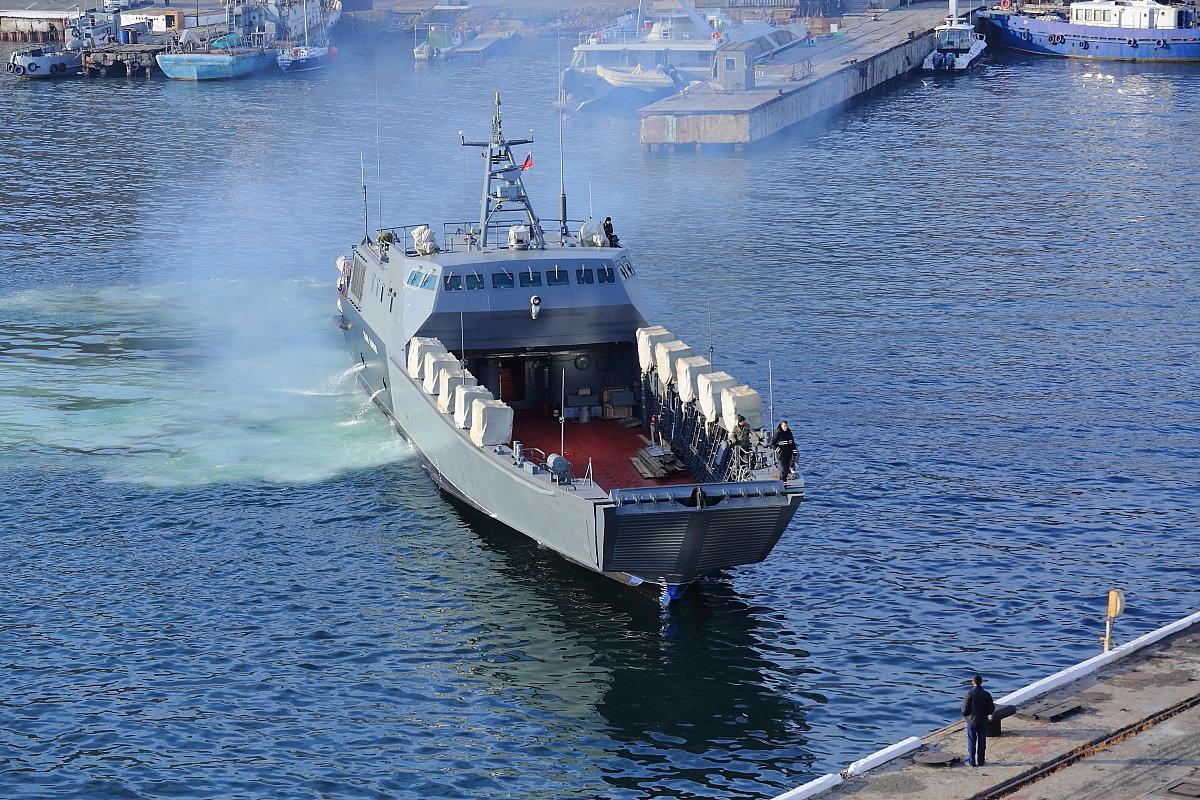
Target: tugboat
<point>1120,30</point>
<point>525,374</point>
<point>86,29</point>
<point>956,45</point>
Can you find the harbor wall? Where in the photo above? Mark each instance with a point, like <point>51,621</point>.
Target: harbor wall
<point>789,107</point>
<point>820,785</point>
<point>36,27</point>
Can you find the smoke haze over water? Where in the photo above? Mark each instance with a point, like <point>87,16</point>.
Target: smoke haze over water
<point>185,384</point>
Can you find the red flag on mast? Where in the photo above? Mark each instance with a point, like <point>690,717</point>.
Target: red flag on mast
<point>528,162</point>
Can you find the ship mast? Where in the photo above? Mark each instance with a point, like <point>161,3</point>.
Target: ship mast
<point>502,185</point>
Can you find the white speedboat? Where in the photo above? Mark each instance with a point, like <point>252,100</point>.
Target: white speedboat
<point>956,45</point>
<point>439,42</point>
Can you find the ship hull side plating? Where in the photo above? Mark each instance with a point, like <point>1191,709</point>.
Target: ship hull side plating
<point>662,541</point>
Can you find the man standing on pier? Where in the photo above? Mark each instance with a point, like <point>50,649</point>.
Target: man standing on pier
<point>977,706</point>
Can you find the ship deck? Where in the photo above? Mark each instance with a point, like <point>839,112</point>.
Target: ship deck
<point>608,443</point>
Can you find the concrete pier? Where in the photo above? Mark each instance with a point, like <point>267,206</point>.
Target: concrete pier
<point>483,45</point>
<point>796,84</point>
<point>1124,724</point>
<point>121,59</point>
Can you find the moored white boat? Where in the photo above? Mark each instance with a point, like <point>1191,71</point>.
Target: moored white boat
<point>85,29</point>
<point>956,45</point>
<point>45,62</point>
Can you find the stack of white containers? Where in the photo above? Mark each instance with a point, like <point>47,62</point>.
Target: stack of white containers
<point>646,339</point>
<point>687,376</point>
<point>665,356</point>
<point>435,365</point>
<point>489,421</point>
<point>492,422</point>
<point>448,383</point>
<point>717,394</point>
<point>418,348</point>
<point>464,403</point>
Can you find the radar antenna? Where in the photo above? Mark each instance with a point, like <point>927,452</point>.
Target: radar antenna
<point>503,188</point>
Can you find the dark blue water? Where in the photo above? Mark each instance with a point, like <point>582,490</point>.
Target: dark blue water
<point>224,576</point>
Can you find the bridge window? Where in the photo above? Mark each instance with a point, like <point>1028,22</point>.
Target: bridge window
<point>452,283</point>
<point>530,279</point>
<point>584,275</point>
<point>605,275</point>
<point>415,278</point>
<point>429,281</point>
<point>502,280</point>
<point>557,277</point>
<point>474,281</point>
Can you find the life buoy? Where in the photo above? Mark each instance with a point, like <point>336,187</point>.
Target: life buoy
<point>75,32</point>
<point>54,69</point>
<point>33,67</point>
<point>296,52</point>
<point>1026,35</point>
<point>1083,44</point>
<point>1006,4</point>
<point>715,36</point>
<point>1131,42</point>
<point>8,66</point>
<point>17,69</point>
<point>1161,43</point>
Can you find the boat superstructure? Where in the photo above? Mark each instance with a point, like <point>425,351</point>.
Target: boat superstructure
<point>523,370</point>
<point>663,50</point>
<point>956,45</point>
<point>1123,30</point>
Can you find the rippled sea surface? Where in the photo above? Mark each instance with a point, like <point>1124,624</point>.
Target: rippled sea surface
<point>225,576</point>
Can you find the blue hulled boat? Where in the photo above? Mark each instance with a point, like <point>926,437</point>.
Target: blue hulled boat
<point>1125,30</point>
<point>228,57</point>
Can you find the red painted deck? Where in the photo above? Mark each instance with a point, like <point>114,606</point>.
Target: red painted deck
<point>605,441</point>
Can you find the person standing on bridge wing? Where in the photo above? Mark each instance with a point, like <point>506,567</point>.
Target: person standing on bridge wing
<point>977,706</point>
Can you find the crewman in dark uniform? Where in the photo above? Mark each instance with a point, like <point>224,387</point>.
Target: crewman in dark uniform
<point>785,449</point>
<point>977,706</point>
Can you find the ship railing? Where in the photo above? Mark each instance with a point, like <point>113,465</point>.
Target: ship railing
<point>460,237</point>
<point>697,495</point>
<point>613,34</point>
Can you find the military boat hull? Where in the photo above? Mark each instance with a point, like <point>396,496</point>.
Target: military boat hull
<point>532,388</point>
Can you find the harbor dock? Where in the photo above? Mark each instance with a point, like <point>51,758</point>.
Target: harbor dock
<point>1122,724</point>
<point>750,100</point>
<point>483,45</point>
<point>121,59</point>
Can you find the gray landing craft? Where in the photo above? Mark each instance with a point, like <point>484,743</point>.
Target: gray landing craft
<point>532,387</point>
